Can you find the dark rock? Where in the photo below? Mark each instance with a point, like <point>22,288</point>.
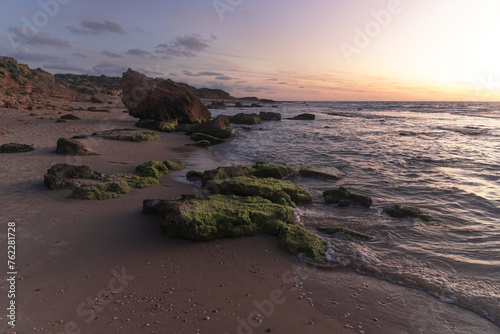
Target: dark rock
<point>270,116</point>
<point>16,148</point>
<point>99,98</point>
<point>194,175</point>
<point>219,127</point>
<point>72,147</point>
<point>304,117</point>
<point>61,121</point>
<point>127,135</point>
<point>238,105</point>
<point>403,211</point>
<point>62,176</point>
<point>335,230</point>
<point>255,105</point>
<point>157,125</point>
<point>321,172</point>
<point>70,117</point>
<point>266,169</point>
<point>343,197</point>
<point>243,118</point>
<point>95,109</point>
<point>222,173</point>
<point>160,100</point>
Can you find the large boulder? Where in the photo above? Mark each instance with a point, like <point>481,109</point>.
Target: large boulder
<point>304,117</point>
<point>220,127</point>
<point>72,147</point>
<point>270,116</point>
<point>160,100</point>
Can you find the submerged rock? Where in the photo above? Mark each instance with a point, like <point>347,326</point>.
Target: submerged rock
<point>270,116</point>
<point>200,143</point>
<point>343,197</point>
<point>219,216</point>
<point>304,117</point>
<point>194,175</point>
<point>201,136</point>
<point>16,148</point>
<point>243,118</point>
<point>223,173</point>
<point>402,211</point>
<point>160,100</point>
<point>321,172</point>
<point>266,169</point>
<point>335,230</point>
<point>220,127</point>
<point>72,147</point>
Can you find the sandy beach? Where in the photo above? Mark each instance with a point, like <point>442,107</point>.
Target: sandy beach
<point>104,266</point>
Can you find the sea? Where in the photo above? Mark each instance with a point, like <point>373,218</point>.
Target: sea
<point>442,157</point>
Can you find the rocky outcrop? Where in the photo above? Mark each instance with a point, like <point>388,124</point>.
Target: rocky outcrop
<point>72,147</point>
<point>62,176</point>
<point>243,118</point>
<point>22,87</point>
<point>220,127</point>
<point>304,117</point>
<point>16,148</point>
<point>270,116</point>
<point>160,100</point>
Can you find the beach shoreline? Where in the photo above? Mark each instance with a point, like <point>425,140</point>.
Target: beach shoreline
<point>94,266</point>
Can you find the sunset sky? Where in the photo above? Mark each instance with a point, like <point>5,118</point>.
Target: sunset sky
<point>276,49</point>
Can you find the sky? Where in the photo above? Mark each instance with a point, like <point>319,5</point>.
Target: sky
<point>316,50</point>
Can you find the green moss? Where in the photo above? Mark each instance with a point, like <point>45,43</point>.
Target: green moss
<point>223,133</point>
<point>266,169</point>
<point>135,181</point>
<point>194,175</point>
<point>228,216</point>
<point>101,191</point>
<point>183,127</point>
<point>223,173</point>
<point>402,211</point>
<point>202,143</point>
<point>167,127</point>
<point>335,230</point>
<point>294,239</point>
<point>201,136</point>
<point>343,197</point>
<point>278,191</point>
<point>152,168</point>
<point>132,136</point>
<point>174,165</point>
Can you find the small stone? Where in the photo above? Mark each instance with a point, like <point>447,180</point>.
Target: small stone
<point>269,330</point>
<point>206,318</point>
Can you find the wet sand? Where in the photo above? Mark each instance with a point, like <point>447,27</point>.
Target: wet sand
<point>104,267</point>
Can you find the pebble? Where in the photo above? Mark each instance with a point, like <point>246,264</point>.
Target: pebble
<point>206,318</point>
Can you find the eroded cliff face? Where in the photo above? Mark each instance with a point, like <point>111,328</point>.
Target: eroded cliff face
<point>23,87</point>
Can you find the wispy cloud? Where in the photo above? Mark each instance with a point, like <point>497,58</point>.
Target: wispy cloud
<point>223,77</point>
<point>111,54</point>
<point>187,46</point>
<point>200,74</point>
<point>39,38</point>
<point>138,52</point>
<point>90,27</point>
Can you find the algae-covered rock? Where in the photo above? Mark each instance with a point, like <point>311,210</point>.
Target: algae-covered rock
<point>201,136</point>
<point>294,239</point>
<point>335,230</point>
<point>223,173</point>
<point>101,191</point>
<point>152,168</point>
<point>194,175</point>
<point>343,197</point>
<point>270,116</point>
<point>219,127</point>
<point>134,181</point>
<point>173,165</point>
<point>402,211</point>
<point>61,176</point>
<point>127,135</point>
<point>278,191</point>
<point>266,169</point>
<point>204,219</point>
<point>157,125</point>
<point>330,173</point>
<point>243,118</point>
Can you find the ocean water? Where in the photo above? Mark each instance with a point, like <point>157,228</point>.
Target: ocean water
<point>443,157</point>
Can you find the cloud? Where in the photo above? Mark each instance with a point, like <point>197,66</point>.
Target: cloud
<point>39,38</point>
<point>272,79</point>
<point>79,55</point>
<point>283,83</point>
<point>251,89</point>
<point>240,82</point>
<point>173,74</point>
<point>187,46</point>
<point>108,69</point>
<point>111,54</point>
<point>202,74</point>
<point>90,27</point>
<point>223,78</point>
<point>64,67</point>
<point>138,52</point>
<point>23,53</point>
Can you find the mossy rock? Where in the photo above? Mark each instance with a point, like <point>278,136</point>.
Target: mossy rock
<point>204,219</point>
<point>266,169</point>
<point>152,168</point>
<point>243,118</point>
<point>139,137</point>
<point>278,191</point>
<point>174,165</point>
<point>223,173</point>
<point>295,240</point>
<point>403,211</point>
<point>134,181</point>
<point>194,175</point>
<point>167,127</point>
<point>183,127</point>
<point>343,197</point>
<point>101,191</point>
<point>201,143</point>
<point>335,230</point>
<point>201,136</point>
